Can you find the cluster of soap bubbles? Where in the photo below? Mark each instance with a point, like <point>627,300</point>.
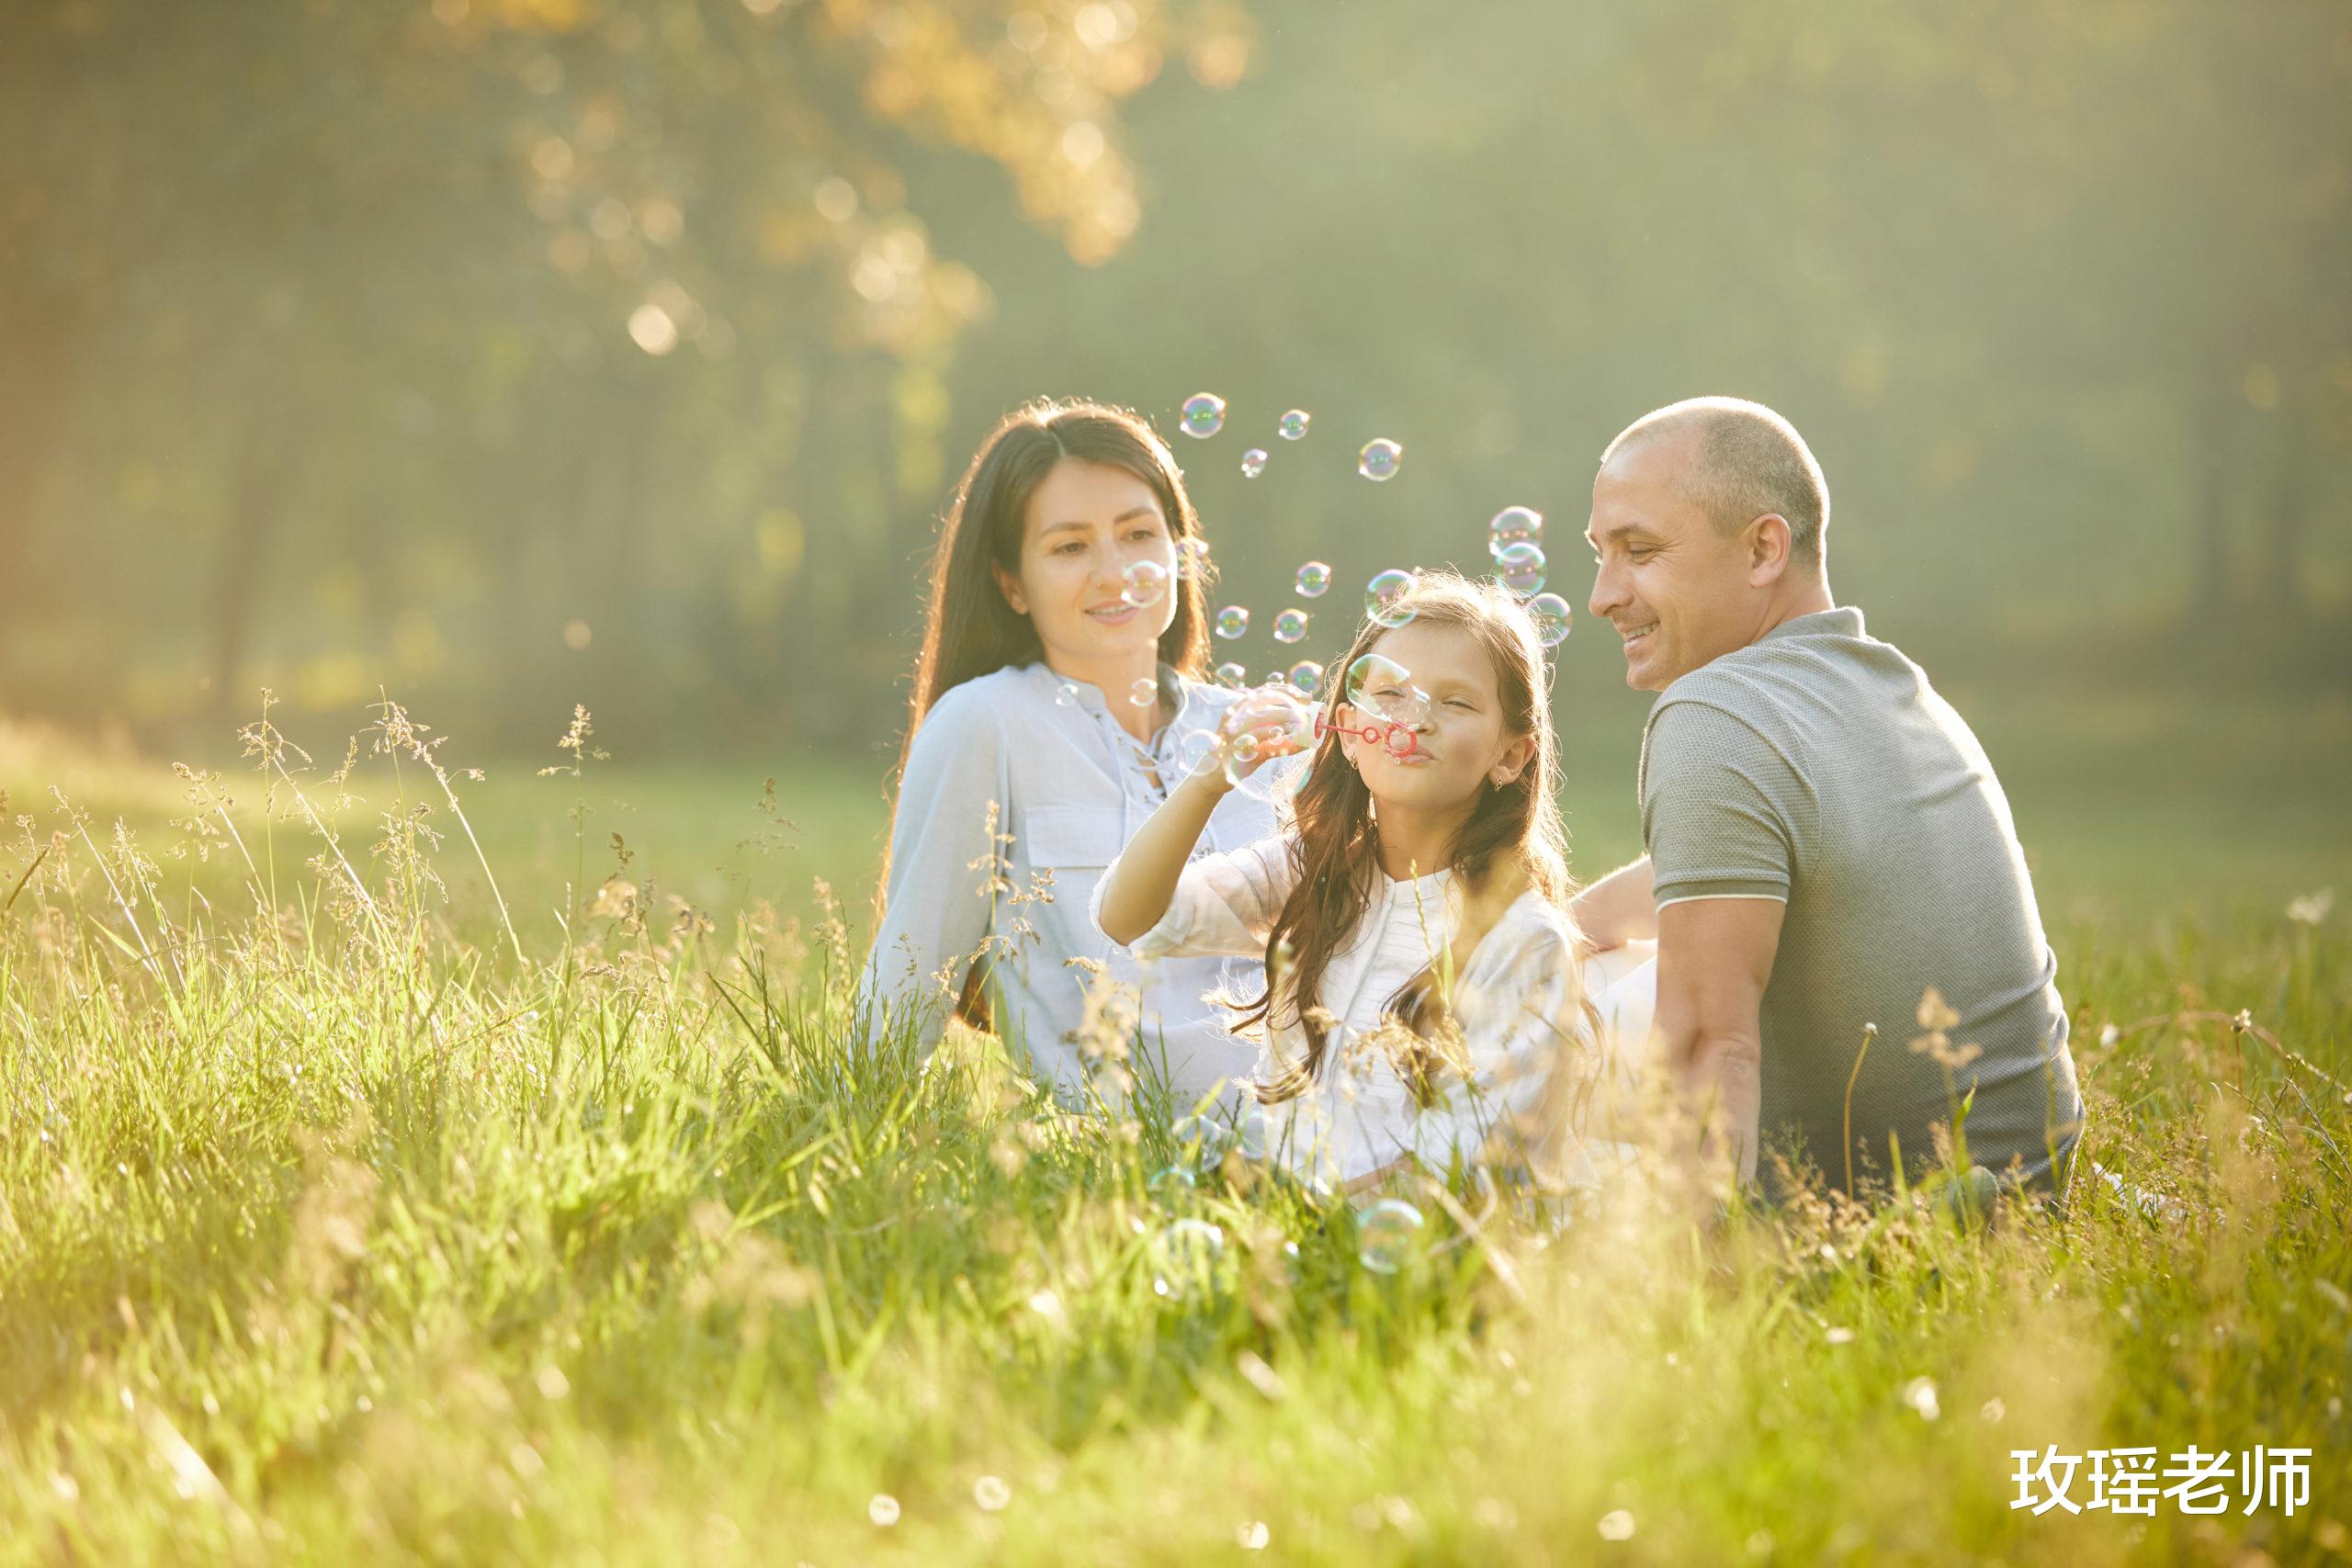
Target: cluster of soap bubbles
<point>1515,539</point>
<point>1204,415</point>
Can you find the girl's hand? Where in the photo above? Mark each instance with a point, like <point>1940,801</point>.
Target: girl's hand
<point>1267,723</point>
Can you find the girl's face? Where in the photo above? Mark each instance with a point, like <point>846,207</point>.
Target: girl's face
<point>1462,746</point>
<point>1087,524</point>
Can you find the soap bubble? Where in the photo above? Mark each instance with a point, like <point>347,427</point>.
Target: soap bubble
<point>1375,678</point>
<point>1232,621</point>
<point>1305,675</point>
<point>1511,525</point>
<point>1313,580</point>
<point>1551,612</point>
<point>883,1510</point>
<point>1387,1234</point>
<point>1379,459</point>
<point>1294,423</point>
<point>1290,626</point>
<point>1392,707</point>
<point>1520,566</point>
<point>1231,674</point>
<point>1254,462</point>
<point>1172,1184</point>
<point>1188,1252</point>
<point>1192,559</point>
<point>1275,720</point>
<point>1143,583</point>
<point>1204,414</point>
<point>1066,695</point>
<point>1194,749</point>
<point>1383,594</point>
<point>1144,693</point>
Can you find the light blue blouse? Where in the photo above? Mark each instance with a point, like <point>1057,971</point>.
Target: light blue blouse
<point>1065,788</point>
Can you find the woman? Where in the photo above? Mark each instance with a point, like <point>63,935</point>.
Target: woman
<point>1056,697</point>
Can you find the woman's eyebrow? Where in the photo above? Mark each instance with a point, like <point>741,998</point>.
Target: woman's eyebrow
<point>1079,523</point>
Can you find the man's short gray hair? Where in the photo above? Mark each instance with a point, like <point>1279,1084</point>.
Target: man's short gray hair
<point>1747,460</point>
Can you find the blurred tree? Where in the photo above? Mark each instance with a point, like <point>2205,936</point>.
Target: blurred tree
<point>588,305</point>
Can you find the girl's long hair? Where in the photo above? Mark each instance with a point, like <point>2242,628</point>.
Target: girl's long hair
<point>1512,841</point>
<point>969,629</point>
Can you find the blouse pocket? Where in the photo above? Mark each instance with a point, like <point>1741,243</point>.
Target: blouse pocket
<point>1070,838</point>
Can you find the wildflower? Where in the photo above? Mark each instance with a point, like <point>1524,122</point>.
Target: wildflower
<point>1617,1524</point>
<point>1920,1393</point>
<point>2311,908</point>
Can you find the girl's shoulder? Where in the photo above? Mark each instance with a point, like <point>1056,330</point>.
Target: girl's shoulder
<point>1532,922</point>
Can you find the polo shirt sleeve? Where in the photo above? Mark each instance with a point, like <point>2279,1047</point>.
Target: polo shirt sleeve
<point>1717,806</point>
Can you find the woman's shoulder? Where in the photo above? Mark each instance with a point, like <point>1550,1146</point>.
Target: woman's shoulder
<point>981,704</point>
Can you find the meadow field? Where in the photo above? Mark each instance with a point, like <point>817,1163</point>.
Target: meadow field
<point>383,1227</point>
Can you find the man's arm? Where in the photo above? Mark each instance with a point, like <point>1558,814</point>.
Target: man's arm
<point>1715,958</point>
<point>1618,908</point>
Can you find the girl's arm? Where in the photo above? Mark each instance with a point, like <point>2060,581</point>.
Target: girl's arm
<point>1137,888</point>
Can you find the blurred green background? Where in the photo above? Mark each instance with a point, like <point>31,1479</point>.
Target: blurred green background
<point>510,354</point>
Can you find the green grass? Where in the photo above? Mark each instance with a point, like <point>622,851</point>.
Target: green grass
<point>345,1237</point>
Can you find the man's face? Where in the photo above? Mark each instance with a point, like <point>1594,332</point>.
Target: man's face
<point>1679,591</point>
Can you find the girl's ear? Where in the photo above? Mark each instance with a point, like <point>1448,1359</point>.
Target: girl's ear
<point>1513,761</point>
<point>1010,586</point>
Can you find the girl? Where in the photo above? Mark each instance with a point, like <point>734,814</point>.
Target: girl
<point>1423,975</point>
<point>1058,682</point>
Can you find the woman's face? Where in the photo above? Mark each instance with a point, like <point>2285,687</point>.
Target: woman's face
<point>1087,524</point>
<point>1463,746</point>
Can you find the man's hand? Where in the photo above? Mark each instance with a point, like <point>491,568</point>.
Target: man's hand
<point>1715,958</point>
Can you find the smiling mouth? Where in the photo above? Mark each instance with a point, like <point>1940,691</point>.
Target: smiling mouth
<point>1637,634</point>
<point>1111,612</point>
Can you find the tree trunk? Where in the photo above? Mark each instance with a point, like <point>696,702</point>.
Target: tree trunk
<point>2289,521</point>
<point>36,336</point>
<point>258,506</point>
<point>2216,420</point>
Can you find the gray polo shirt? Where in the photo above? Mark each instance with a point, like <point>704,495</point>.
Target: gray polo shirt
<point>1820,768</point>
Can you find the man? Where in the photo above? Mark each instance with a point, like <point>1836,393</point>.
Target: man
<point>1833,876</point>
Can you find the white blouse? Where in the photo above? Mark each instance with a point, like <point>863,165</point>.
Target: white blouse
<point>1016,794</point>
<point>1519,1002</point>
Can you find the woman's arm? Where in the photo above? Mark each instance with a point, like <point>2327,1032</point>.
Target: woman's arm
<point>1618,908</point>
<point>940,907</point>
<point>1139,885</point>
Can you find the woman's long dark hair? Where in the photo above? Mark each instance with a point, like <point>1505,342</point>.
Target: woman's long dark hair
<point>1513,841</point>
<point>969,629</point>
